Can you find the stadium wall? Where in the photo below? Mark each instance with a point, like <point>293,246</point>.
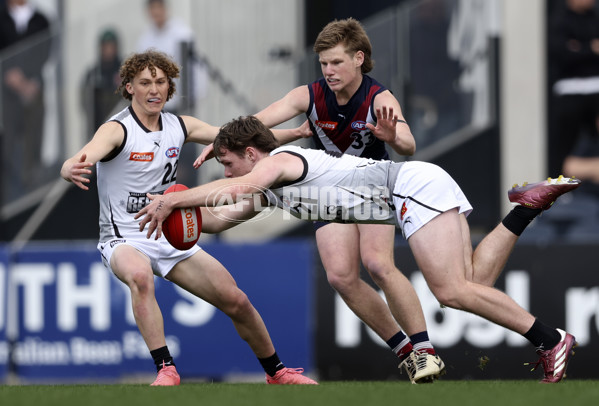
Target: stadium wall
<point>558,283</point>
<point>75,323</point>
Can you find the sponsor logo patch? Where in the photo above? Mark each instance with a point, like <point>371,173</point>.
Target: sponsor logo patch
<point>191,224</point>
<point>326,125</point>
<point>116,242</point>
<point>141,156</point>
<point>137,201</point>
<point>404,209</point>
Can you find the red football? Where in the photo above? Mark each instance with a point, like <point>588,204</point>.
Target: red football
<point>182,227</point>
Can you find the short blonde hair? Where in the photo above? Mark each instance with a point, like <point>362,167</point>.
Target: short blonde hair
<point>350,33</point>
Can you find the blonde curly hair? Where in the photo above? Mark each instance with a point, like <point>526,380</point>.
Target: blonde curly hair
<point>151,59</point>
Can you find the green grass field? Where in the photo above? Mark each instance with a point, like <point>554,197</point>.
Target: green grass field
<point>446,393</point>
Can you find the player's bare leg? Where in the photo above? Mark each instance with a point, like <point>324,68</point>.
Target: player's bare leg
<point>205,277</point>
<point>338,246</point>
<point>438,249</point>
<point>133,269</point>
<point>376,247</point>
<point>486,263</point>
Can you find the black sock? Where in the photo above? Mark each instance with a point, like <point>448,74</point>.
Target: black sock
<point>396,340</point>
<point>162,357</point>
<point>400,345</point>
<point>519,218</point>
<point>271,364</point>
<point>542,336</point>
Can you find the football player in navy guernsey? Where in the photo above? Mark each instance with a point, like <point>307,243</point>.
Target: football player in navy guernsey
<point>420,198</point>
<point>136,152</point>
<point>344,110</point>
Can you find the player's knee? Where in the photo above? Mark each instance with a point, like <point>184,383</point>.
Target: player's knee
<point>342,282</point>
<point>379,267</point>
<point>448,296</point>
<point>140,282</point>
<point>237,306</point>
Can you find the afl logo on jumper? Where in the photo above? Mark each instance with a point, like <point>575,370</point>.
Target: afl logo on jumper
<point>172,152</point>
<point>141,156</point>
<point>358,125</point>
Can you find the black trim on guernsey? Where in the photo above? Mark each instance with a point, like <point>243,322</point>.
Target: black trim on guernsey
<point>183,127</point>
<point>417,202</point>
<point>114,226</point>
<point>143,127</point>
<point>370,198</point>
<point>335,154</point>
<point>112,154</point>
<point>302,177</point>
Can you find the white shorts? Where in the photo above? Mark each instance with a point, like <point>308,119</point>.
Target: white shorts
<point>163,256</point>
<point>423,191</point>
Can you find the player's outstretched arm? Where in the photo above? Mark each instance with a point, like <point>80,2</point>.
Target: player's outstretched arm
<point>291,105</point>
<point>229,191</point>
<point>267,171</point>
<point>198,131</point>
<point>221,218</point>
<point>285,136</point>
<point>76,169</point>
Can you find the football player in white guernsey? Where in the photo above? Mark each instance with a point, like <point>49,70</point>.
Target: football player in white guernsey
<point>348,111</point>
<point>421,198</point>
<point>135,152</point>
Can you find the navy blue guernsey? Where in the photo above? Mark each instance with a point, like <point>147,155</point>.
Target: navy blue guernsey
<point>342,129</point>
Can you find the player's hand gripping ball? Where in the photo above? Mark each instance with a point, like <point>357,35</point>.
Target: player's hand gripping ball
<point>182,227</point>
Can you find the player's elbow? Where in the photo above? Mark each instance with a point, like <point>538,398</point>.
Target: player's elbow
<point>410,149</point>
<point>218,219</point>
<point>213,224</point>
<point>406,149</point>
<point>405,143</point>
<point>242,191</point>
<point>64,171</point>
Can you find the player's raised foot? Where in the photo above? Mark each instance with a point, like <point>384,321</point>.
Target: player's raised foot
<point>555,360</point>
<point>541,195</point>
<point>167,376</point>
<point>290,376</point>
<point>423,367</point>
